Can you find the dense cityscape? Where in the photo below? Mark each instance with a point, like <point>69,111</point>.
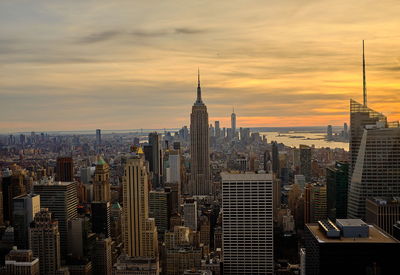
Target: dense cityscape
<point>199,137</point>
<point>202,200</point>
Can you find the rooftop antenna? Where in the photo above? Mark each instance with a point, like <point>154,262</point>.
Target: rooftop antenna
<point>364,80</point>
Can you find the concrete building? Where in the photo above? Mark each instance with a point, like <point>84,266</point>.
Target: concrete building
<point>199,147</point>
<point>136,266</point>
<point>102,257</point>
<point>25,208</point>
<point>190,214</point>
<point>65,169</point>
<point>350,246</point>
<point>140,231</point>
<point>61,199</point>
<point>44,240</point>
<point>101,183</point>
<point>21,262</point>
<point>247,223</point>
<point>160,208</point>
<point>305,162</point>
<point>383,212</point>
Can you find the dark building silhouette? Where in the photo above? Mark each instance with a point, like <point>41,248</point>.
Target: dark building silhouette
<point>337,178</point>
<point>65,169</point>
<point>101,212</point>
<point>12,186</point>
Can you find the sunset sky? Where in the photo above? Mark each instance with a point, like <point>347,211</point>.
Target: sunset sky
<point>127,64</point>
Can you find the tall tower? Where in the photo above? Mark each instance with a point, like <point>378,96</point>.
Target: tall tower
<point>44,240</point>
<point>156,159</point>
<point>101,185</point>
<point>62,200</point>
<point>65,169</point>
<point>247,237</point>
<point>140,231</point>
<point>364,80</point>
<point>233,122</point>
<point>199,147</point>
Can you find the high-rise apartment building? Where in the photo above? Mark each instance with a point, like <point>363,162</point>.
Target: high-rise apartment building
<point>140,231</point>
<point>305,162</point>
<point>61,199</point>
<point>44,240</point>
<point>337,178</point>
<point>21,262</point>
<point>199,147</point>
<point>375,171</point>
<point>383,212</point>
<point>25,207</point>
<point>247,223</point>
<point>65,169</point>
<point>101,183</point>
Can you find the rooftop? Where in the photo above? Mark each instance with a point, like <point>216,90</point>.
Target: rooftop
<point>246,177</point>
<point>375,236</point>
<point>350,222</point>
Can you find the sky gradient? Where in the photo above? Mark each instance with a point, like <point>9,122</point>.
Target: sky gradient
<point>78,65</point>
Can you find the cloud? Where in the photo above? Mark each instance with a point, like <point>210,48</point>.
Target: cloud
<point>99,37</point>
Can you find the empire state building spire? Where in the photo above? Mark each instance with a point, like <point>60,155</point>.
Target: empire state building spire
<point>198,100</point>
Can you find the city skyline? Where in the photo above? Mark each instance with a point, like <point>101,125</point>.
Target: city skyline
<point>58,71</point>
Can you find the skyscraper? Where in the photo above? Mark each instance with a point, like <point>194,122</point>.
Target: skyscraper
<point>199,147</point>
<point>98,137</point>
<point>247,223</point>
<point>337,178</point>
<point>190,214</point>
<point>21,262</point>
<point>140,231</point>
<point>376,169</point>
<point>275,159</point>
<point>156,158</point>
<point>65,169</point>
<point>101,185</point>
<point>217,129</point>
<point>101,215</point>
<point>102,258</point>
<point>45,242</point>
<point>233,122</point>
<point>61,199</point>
<point>160,208</point>
<point>25,208</point>
<point>305,162</point>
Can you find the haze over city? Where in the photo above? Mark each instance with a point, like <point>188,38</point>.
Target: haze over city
<point>81,65</point>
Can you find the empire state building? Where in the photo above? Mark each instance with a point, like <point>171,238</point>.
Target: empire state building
<point>200,168</point>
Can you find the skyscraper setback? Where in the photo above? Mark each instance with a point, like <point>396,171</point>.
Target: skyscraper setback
<point>199,147</point>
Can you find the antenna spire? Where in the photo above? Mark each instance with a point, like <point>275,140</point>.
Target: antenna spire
<point>364,79</point>
<point>198,100</point>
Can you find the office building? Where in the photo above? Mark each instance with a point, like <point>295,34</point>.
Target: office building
<point>305,162</point>
<point>160,208</point>
<point>86,175</point>
<point>116,222</point>
<point>80,238</point>
<point>12,186</point>
<point>65,169</point>
<point>61,199</point>
<point>329,133</point>
<point>247,223</point>
<point>383,212</point>
<point>217,129</point>
<point>190,214</point>
<point>136,266</point>
<point>337,178</point>
<point>375,170</point>
<point>98,137</point>
<point>199,147</point>
<point>233,122</point>
<point>155,158</point>
<point>275,160</point>
<point>140,231</point>
<point>25,207</point>
<point>350,246</point>
<point>101,183</point>
<point>315,202</point>
<point>181,259</point>
<point>44,240</point>
<point>102,257</point>
<point>21,262</point>
<point>300,180</point>
<point>101,218</point>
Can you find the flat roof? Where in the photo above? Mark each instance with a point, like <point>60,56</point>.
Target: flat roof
<point>350,222</point>
<point>375,236</point>
<point>245,177</point>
